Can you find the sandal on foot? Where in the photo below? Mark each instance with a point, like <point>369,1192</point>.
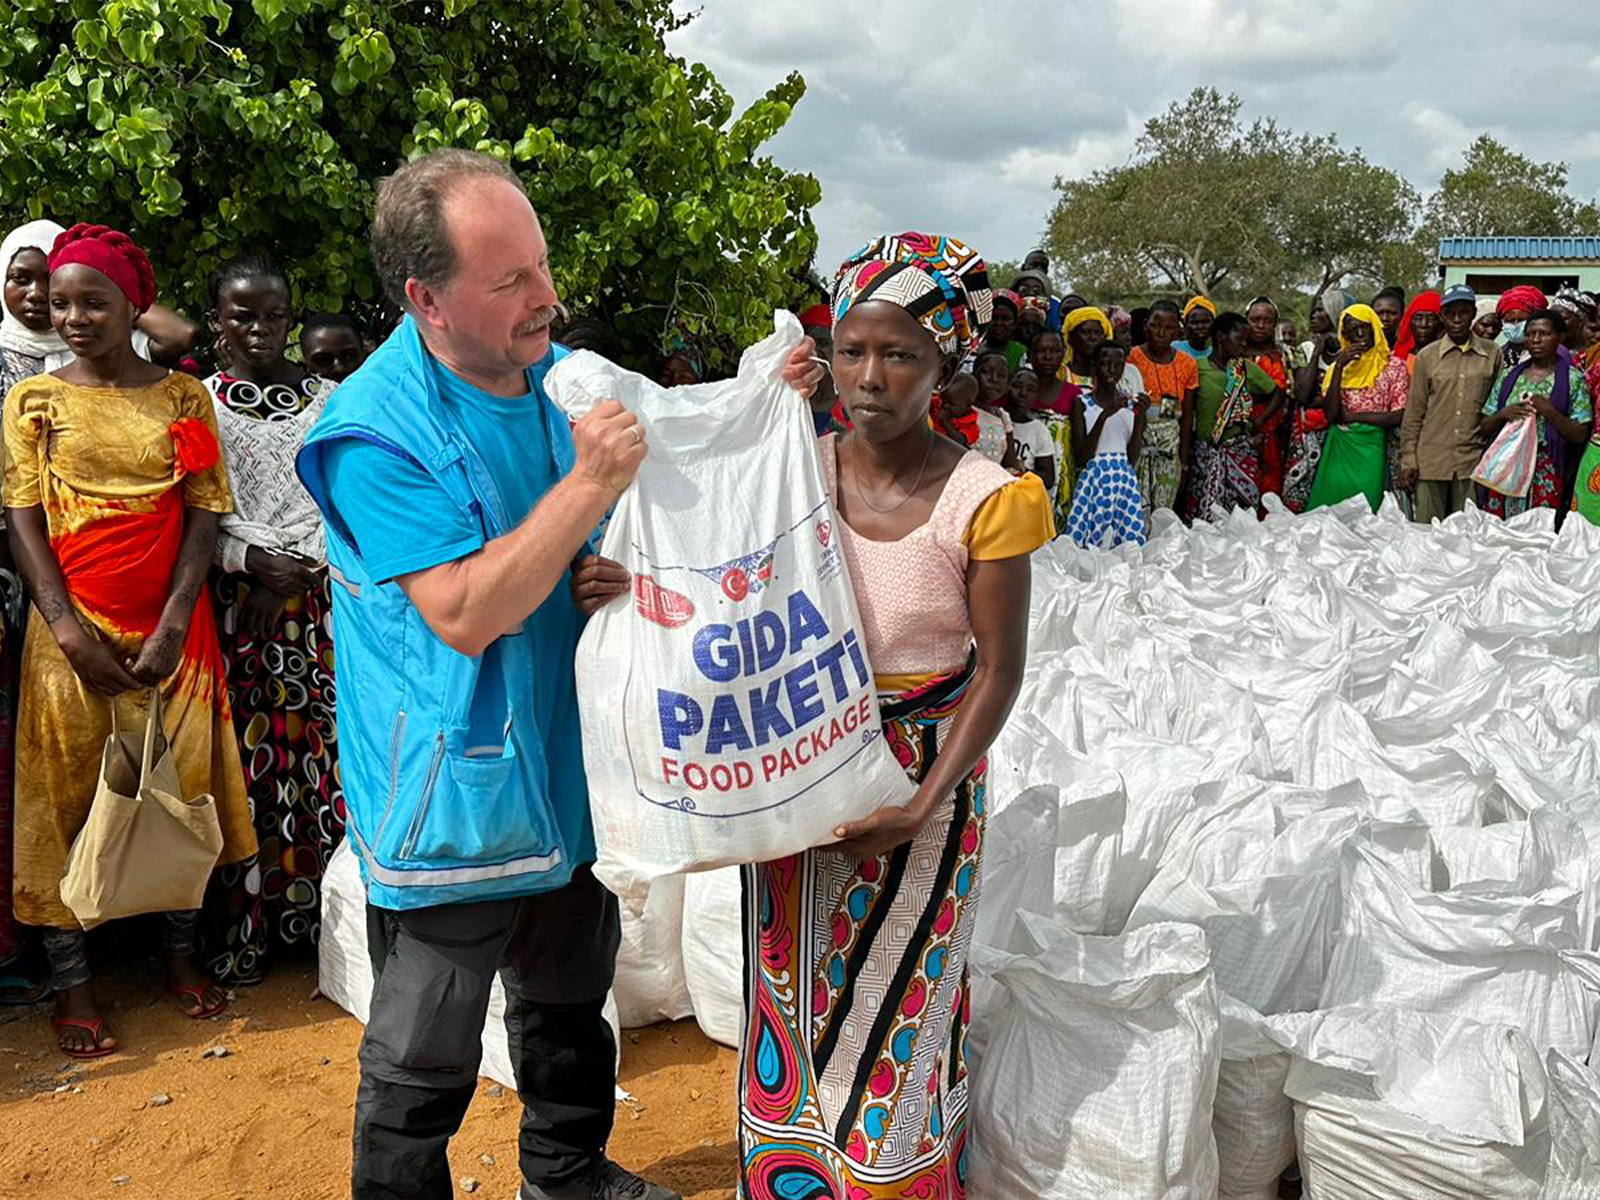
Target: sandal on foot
<point>95,1028</point>
<point>197,993</point>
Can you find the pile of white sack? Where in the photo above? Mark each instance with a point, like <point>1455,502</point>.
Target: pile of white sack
<point>1293,851</point>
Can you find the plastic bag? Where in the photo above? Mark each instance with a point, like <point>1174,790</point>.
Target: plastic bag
<point>649,985</point>
<point>729,714</point>
<point>1507,465</point>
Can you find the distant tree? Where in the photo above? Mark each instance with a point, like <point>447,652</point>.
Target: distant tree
<point>1189,210</point>
<point>1211,205</point>
<point>1004,273</point>
<point>1338,215</point>
<point>1498,192</point>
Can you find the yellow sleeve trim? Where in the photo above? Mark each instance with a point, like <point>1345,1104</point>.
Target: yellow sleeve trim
<point>1015,520</point>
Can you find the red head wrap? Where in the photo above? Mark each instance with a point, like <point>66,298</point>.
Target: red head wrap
<point>111,253</point>
<point>1406,344</point>
<point>818,316</point>
<point>1524,296</point>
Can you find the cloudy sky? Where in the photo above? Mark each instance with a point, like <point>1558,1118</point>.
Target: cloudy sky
<point>956,118</point>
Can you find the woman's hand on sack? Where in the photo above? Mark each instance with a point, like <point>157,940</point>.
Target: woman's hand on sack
<point>801,372</point>
<point>1541,404</point>
<point>883,830</point>
<point>597,581</point>
<point>285,574</point>
<point>159,657</point>
<point>610,445</point>
<point>1520,411</point>
<point>258,616</point>
<point>94,662</point>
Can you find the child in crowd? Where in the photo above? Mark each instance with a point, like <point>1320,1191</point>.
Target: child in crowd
<point>1035,451</point>
<point>331,346</point>
<point>1107,430</point>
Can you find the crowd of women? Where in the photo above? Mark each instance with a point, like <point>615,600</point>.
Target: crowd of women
<point>1187,408</point>
<point>159,542</point>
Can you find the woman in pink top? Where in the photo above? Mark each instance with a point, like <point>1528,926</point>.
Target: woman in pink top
<point>853,1079</point>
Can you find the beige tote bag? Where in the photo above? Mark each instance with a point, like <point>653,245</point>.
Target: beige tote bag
<point>145,848</point>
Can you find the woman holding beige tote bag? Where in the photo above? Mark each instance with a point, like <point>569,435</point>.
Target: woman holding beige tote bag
<point>113,489</point>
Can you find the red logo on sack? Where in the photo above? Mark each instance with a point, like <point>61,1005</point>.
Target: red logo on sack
<point>824,531</point>
<point>661,605</point>
<point>735,583</point>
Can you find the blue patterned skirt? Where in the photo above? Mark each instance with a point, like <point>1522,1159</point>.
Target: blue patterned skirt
<point>1107,508</point>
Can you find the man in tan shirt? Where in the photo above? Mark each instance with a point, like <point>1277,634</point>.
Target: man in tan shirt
<point>1440,442</point>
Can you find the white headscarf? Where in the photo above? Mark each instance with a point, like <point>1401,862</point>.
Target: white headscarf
<point>14,335</point>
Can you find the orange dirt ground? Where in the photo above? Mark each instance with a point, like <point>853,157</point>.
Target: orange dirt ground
<point>271,1120</point>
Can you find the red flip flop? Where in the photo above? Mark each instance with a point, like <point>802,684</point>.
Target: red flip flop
<point>95,1029</point>
<point>197,993</point>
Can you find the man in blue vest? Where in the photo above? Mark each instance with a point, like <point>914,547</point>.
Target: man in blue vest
<point>457,502</point>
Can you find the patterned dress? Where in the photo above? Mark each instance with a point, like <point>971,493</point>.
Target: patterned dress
<point>114,471</point>
<point>852,1075</point>
<point>1168,386</point>
<point>1547,482</point>
<point>1274,434</point>
<point>1107,508</point>
<point>282,689</point>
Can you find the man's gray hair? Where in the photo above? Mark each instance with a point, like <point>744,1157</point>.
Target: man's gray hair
<point>409,238</point>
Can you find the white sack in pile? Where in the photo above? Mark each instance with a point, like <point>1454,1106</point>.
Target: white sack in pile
<point>1498,960</point>
<point>713,953</point>
<point>1574,1105</point>
<point>1094,1067</point>
<point>650,986</point>
<point>1393,1103</point>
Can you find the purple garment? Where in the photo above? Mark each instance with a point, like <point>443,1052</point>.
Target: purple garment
<point>1560,400</point>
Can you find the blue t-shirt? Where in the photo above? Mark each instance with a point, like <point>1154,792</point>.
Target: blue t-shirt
<point>403,521</point>
<point>1197,355</point>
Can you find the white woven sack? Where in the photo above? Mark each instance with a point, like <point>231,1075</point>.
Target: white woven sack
<point>1097,1068</point>
<point>1497,960</point>
<point>729,714</point>
<point>713,953</point>
<point>649,985</point>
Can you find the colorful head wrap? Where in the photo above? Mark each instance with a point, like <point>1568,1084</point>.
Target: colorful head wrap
<point>1199,302</point>
<point>679,346</point>
<point>940,281</point>
<point>1007,296</point>
<point>14,335</point>
<point>1121,318</point>
<point>1406,344</point>
<point>1079,316</point>
<point>111,253</point>
<point>1524,296</point>
<point>1364,372</point>
<point>1574,303</point>
<point>817,316</point>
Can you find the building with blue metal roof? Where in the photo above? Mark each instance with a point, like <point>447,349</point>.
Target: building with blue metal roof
<point>1490,265</point>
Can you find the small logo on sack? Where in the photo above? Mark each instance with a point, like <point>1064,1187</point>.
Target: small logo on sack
<point>661,605</point>
<point>824,532</point>
<point>735,583</point>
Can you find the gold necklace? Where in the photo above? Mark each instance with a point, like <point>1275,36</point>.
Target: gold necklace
<point>855,482</point>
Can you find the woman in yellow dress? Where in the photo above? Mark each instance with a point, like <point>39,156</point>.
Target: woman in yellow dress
<point>113,490</point>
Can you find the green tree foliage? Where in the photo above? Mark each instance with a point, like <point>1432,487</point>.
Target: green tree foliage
<point>205,128</point>
<point>1208,203</point>
<point>1496,192</point>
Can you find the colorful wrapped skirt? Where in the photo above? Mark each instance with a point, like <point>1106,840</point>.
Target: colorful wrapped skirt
<point>852,1076</point>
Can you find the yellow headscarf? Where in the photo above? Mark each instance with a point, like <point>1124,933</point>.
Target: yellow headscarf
<point>1079,315</point>
<point>1364,372</point>
<point>1199,302</point>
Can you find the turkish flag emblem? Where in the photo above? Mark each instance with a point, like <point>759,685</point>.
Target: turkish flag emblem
<point>661,605</point>
<point>824,531</point>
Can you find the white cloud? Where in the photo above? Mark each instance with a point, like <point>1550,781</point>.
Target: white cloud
<point>1444,136</point>
<point>1036,167</point>
<point>1284,33</point>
